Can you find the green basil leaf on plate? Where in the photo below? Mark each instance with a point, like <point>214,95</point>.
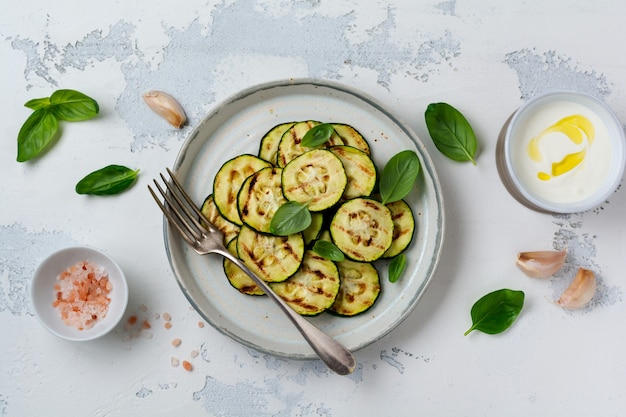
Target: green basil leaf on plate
<point>317,135</point>
<point>451,132</point>
<point>112,179</point>
<point>496,311</point>
<point>398,176</point>
<point>328,250</point>
<point>292,217</point>
<point>396,267</point>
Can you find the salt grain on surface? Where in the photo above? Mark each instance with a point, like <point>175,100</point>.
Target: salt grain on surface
<point>82,294</point>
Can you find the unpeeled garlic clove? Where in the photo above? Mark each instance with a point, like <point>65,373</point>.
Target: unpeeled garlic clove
<point>580,292</point>
<point>541,264</point>
<point>166,106</point>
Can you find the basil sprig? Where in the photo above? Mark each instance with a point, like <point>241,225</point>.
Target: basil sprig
<point>451,132</point>
<point>317,135</point>
<point>496,311</point>
<point>398,176</point>
<point>291,217</point>
<point>112,179</point>
<point>41,127</point>
<point>328,250</point>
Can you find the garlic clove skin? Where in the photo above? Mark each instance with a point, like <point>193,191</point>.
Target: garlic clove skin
<point>541,264</point>
<point>166,106</point>
<point>580,292</point>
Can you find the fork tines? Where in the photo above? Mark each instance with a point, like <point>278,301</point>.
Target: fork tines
<point>180,209</point>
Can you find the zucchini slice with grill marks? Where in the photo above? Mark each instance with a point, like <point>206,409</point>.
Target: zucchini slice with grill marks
<point>272,258</point>
<point>228,180</point>
<point>210,211</point>
<point>237,278</point>
<point>316,177</point>
<point>351,137</point>
<point>259,197</point>
<point>290,145</point>
<point>360,170</point>
<point>269,142</point>
<point>359,290</point>
<point>403,227</point>
<point>312,289</point>
<point>362,228</point>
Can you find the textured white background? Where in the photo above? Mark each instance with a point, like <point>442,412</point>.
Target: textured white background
<point>483,57</point>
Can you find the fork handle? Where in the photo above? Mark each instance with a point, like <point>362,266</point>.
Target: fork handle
<point>336,356</point>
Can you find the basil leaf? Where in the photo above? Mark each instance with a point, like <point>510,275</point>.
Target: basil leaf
<point>451,132</point>
<point>73,106</point>
<point>36,133</point>
<point>328,250</point>
<point>292,217</point>
<point>396,267</point>
<point>38,103</point>
<point>398,176</point>
<point>317,135</point>
<point>496,311</point>
<point>112,179</point>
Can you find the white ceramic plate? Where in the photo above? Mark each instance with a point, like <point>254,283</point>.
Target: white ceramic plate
<point>236,127</point>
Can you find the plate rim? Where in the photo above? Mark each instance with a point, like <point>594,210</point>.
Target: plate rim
<point>367,99</point>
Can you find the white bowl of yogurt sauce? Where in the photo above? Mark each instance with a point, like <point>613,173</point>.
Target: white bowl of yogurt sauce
<point>562,152</point>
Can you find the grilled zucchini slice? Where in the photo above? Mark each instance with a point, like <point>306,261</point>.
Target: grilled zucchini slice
<point>359,290</point>
<point>237,278</point>
<point>210,211</point>
<point>259,197</point>
<point>228,181</point>
<point>316,178</point>
<point>269,142</point>
<point>290,145</point>
<point>360,170</point>
<point>362,228</point>
<point>312,289</point>
<point>403,227</point>
<point>272,258</point>
<point>351,137</point>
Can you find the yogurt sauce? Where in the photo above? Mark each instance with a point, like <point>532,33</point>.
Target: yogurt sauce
<point>561,151</point>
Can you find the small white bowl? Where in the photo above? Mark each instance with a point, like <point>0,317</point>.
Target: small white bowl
<point>43,293</point>
<point>525,123</point>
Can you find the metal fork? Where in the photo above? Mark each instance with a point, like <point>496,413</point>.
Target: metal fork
<point>205,238</point>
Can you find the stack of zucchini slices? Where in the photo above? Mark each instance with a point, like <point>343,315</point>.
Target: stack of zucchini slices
<point>337,181</point>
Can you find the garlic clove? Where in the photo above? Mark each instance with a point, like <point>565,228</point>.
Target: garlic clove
<point>541,264</point>
<point>580,292</point>
<point>167,107</point>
